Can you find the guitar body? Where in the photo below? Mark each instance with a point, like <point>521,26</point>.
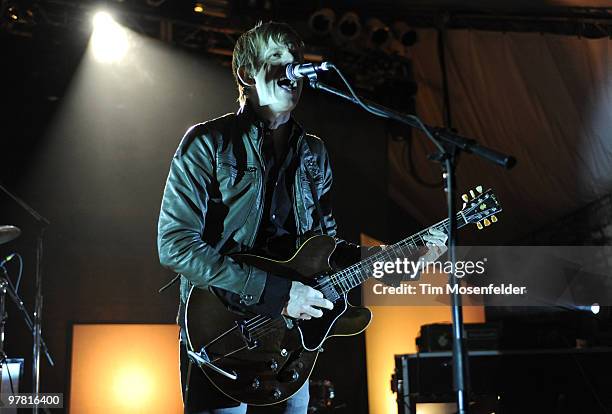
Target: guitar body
<point>267,359</point>
<point>261,361</point>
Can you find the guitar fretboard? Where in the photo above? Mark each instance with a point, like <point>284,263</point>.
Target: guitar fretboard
<point>359,272</point>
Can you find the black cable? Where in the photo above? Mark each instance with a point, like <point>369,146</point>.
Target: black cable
<point>414,118</point>
<point>408,158</point>
<point>8,370</point>
<point>376,112</point>
<point>15,287</point>
<point>20,272</point>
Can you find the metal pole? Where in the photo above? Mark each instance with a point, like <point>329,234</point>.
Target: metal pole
<point>37,318</point>
<point>460,360</point>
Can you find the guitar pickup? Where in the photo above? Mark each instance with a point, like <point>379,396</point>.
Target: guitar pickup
<point>326,286</point>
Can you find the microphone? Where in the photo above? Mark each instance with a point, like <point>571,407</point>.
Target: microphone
<point>305,70</point>
<point>7,259</point>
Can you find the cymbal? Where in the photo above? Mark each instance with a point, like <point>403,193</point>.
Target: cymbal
<point>8,233</point>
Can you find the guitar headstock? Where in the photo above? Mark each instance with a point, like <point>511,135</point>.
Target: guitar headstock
<point>480,207</point>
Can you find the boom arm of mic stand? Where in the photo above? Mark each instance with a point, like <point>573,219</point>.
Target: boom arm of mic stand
<point>465,144</point>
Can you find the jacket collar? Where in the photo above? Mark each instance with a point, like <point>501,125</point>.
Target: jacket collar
<point>251,123</point>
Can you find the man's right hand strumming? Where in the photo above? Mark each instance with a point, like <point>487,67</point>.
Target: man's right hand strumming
<point>302,302</point>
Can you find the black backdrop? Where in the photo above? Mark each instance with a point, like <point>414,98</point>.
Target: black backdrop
<point>89,147</point>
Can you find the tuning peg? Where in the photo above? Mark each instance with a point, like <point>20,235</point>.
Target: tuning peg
<point>493,218</point>
<point>472,194</point>
<point>465,198</point>
<point>479,189</point>
<point>479,225</point>
<point>486,222</point>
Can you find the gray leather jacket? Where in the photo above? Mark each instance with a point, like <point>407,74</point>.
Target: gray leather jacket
<point>213,202</point>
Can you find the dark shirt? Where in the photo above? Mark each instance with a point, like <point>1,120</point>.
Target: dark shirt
<point>277,231</point>
<point>276,237</point>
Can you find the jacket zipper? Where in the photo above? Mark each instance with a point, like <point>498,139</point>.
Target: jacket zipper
<point>295,188</point>
<point>262,189</point>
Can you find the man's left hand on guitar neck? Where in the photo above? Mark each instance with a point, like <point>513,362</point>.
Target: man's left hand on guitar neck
<point>436,243</point>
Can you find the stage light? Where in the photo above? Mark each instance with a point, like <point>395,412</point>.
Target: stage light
<point>349,27</point>
<point>198,8</point>
<point>213,8</point>
<point>17,13</point>
<point>125,369</point>
<point>109,41</point>
<point>406,36</point>
<point>12,13</point>
<point>322,21</point>
<point>378,32</point>
<point>132,385</point>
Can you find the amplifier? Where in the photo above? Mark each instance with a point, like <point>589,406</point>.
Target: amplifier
<point>439,336</point>
<point>559,381</point>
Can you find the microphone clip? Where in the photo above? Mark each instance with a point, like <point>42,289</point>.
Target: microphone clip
<point>307,70</point>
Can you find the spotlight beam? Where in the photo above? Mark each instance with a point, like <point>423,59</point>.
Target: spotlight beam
<point>109,41</point>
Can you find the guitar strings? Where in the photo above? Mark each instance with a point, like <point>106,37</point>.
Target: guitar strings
<point>262,325</point>
<point>357,268</point>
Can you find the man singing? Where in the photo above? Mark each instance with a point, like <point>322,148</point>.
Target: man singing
<point>249,181</point>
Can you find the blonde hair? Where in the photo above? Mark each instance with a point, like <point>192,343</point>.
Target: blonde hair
<point>248,48</point>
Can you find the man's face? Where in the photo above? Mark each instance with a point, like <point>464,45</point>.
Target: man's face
<point>272,87</point>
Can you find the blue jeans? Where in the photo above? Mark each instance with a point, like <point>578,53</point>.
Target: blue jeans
<point>297,404</point>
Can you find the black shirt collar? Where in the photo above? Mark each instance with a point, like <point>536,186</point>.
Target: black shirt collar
<point>248,118</point>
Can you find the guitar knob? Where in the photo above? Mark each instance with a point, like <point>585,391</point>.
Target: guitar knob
<point>479,225</point>
<point>290,376</point>
<point>487,222</point>
<point>276,394</point>
<point>493,219</point>
<point>255,384</point>
<point>465,197</point>
<point>273,365</point>
<point>283,352</point>
<point>479,189</point>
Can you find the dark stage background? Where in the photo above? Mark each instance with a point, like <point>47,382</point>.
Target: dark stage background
<point>89,147</point>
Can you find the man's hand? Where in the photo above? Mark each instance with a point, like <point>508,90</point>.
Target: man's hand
<point>436,241</point>
<point>302,302</point>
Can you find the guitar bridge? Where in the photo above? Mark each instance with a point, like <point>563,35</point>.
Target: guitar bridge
<point>245,333</point>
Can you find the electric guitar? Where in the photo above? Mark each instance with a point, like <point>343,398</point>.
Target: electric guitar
<point>260,360</point>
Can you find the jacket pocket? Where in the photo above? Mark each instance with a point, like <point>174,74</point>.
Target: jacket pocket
<point>229,174</point>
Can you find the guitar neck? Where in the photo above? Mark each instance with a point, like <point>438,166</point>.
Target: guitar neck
<point>359,272</point>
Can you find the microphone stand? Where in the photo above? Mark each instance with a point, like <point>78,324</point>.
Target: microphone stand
<point>447,156</point>
<point>7,287</point>
<point>37,327</point>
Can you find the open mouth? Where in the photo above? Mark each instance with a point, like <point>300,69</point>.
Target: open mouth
<point>287,84</point>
